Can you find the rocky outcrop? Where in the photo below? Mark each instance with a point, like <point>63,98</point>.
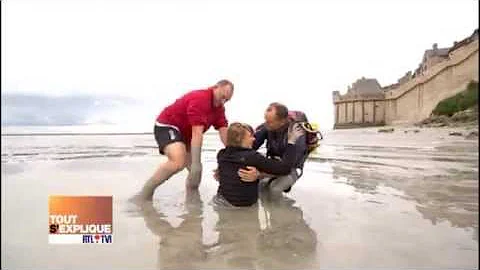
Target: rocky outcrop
<point>462,118</point>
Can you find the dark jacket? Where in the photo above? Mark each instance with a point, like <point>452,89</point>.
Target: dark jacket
<point>231,159</point>
<point>277,143</point>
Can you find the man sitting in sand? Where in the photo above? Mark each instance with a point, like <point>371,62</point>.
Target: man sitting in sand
<point>275,132</point>
<point>179,132</point>
<point>238,153</point>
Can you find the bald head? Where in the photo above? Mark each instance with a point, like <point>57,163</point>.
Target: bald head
<point>223,92</point>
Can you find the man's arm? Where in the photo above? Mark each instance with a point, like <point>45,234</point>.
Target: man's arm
<point>264,169</point>
<point>301,146</point>
<point>223,135</point>
<point>273,166</point>
<point>251,174</point>
<point>196,150</point>
<point>197,137</point>
<point>221,124</point>
<point>260,136</point>
<point>197,112</point>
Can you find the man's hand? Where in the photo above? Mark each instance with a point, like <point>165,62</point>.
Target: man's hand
<point>195,174</point>
<point>251,174</point>
<point>215,175</point>
<point>195,168</point>
<point>295,131</point>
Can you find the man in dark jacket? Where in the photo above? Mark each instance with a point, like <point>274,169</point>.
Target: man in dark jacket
<point>275,131</point>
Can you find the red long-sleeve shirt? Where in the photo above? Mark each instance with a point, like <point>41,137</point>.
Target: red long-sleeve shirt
<point>192,109</point>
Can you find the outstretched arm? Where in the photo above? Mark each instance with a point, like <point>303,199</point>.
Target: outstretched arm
<point>221,124</point>
<point>273,166</point>
<point>260,136</point>
<point>270,166</point>
<point>301,149</point>
<point>196,167</point>
<point>223,135</point>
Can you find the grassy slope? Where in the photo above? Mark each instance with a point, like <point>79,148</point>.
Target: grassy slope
<point>461,101</point>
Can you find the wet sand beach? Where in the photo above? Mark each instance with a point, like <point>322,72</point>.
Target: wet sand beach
<point>366,199</point>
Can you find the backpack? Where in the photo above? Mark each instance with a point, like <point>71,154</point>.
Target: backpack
<point>313,134</point>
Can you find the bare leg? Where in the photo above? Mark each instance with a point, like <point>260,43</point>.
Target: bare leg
<point>176,154</point>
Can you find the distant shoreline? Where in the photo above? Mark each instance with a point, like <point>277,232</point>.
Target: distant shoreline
<point>77,134</point>
<point>459,126</point>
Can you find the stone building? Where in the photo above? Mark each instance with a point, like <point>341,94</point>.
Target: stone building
<point>442,73</point>
<point>362,105</point>
<point>432,57</point>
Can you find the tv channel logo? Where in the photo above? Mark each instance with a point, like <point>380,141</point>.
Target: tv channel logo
<point>80,220</point>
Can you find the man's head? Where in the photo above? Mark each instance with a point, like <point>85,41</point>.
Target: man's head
<point>276,116</point>
<point>222,92</point>
<point>240,135</point>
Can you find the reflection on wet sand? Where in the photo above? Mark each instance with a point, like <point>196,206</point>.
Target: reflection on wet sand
<point>285,242</point>
<point>440,175</point>
<point>452,196</point>
<point>180,247</point>
<point>237,229</point>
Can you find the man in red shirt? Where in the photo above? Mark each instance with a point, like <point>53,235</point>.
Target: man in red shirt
<point>179,132</point>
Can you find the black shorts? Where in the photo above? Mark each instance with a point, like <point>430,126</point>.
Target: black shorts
<point>166,135</point>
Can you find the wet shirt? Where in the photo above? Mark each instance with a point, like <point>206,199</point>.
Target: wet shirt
<point>192,109</point>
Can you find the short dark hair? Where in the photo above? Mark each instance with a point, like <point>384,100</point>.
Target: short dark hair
<point>281,111</point>
<point>223,83</point>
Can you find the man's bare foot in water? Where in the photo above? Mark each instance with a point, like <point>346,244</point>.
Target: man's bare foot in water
<point>140,199</point>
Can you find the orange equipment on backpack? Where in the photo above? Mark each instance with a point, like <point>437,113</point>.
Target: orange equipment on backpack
<point>313,136</point>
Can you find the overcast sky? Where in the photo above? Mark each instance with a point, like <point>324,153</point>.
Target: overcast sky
<point>296,52</point>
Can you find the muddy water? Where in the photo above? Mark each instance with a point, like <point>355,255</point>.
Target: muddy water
<point>366,200</point>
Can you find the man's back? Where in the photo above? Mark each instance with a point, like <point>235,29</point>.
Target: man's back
<point>194,108</point>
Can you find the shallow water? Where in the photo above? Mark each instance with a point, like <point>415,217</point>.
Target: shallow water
<point>366,199</point>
